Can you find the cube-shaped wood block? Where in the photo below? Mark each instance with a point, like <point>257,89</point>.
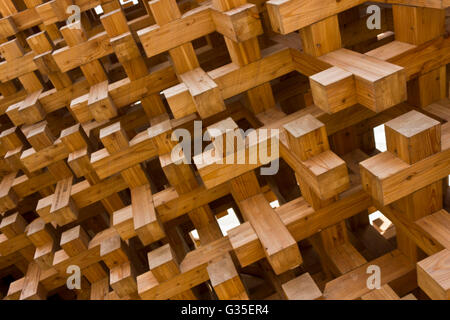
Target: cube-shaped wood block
<point>307,137</point>
<point>100,104</point>
<point>79,161</point>
<point>246,244</point>
<point>327,174</point>
<point>161,133</point>
<point>75,138</point>
<point>205,92</point>
<point>44,255</point>
<point>8,197</point>
<point>114,138</point>
<point>225,279</point>
<point>31,110</point>
<point>40,233</point>
<point>163,263</point>
<point>226,137</point>
<point>74,240</point>
<point>80,109</point>
<point>239,24</point>
<point>180,101</point>
<point>40,136</point>
<point>413,136</point>
<point>433,275</point>
<point>302,288</point>
<point>7,27</point>
<point>12,138</point>
<point>13,225</point>
<point>113,252</point>
<point>333,90</point>
<point>123,223</point>
<point>123,280</point>
<point>53,11</point>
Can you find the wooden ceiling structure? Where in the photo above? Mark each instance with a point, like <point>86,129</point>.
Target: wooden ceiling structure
<point>90,105</point>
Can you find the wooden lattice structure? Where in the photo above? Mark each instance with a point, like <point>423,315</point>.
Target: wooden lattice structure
<point>89,110</point>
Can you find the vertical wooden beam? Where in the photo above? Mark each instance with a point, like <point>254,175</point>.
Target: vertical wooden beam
<point>417,25</point>
<point>183,57</point>
<point>12,50</point>
<point>123,281</point>
<point>32,288</point>
<point>242,53</point>
<point>40,137</point>
<point>63,209</point>
<point>76,34</point>
<point>279,246</point>
<point>321,37</point>
<point>182,178</point>
<point>77,141</point>
<point>114,138</point>
<point>41,44</point>
<point>413,137</point>
<point>146,223</point>
<point>307,138</point>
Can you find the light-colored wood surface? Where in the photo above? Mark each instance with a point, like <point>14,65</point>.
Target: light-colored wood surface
<point>135,145</point>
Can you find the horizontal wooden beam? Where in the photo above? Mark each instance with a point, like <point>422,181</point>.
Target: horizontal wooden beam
<point>387,178</point>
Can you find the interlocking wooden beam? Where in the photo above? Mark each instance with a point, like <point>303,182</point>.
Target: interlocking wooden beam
<point>223,149</point>
<point>401,179</point>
